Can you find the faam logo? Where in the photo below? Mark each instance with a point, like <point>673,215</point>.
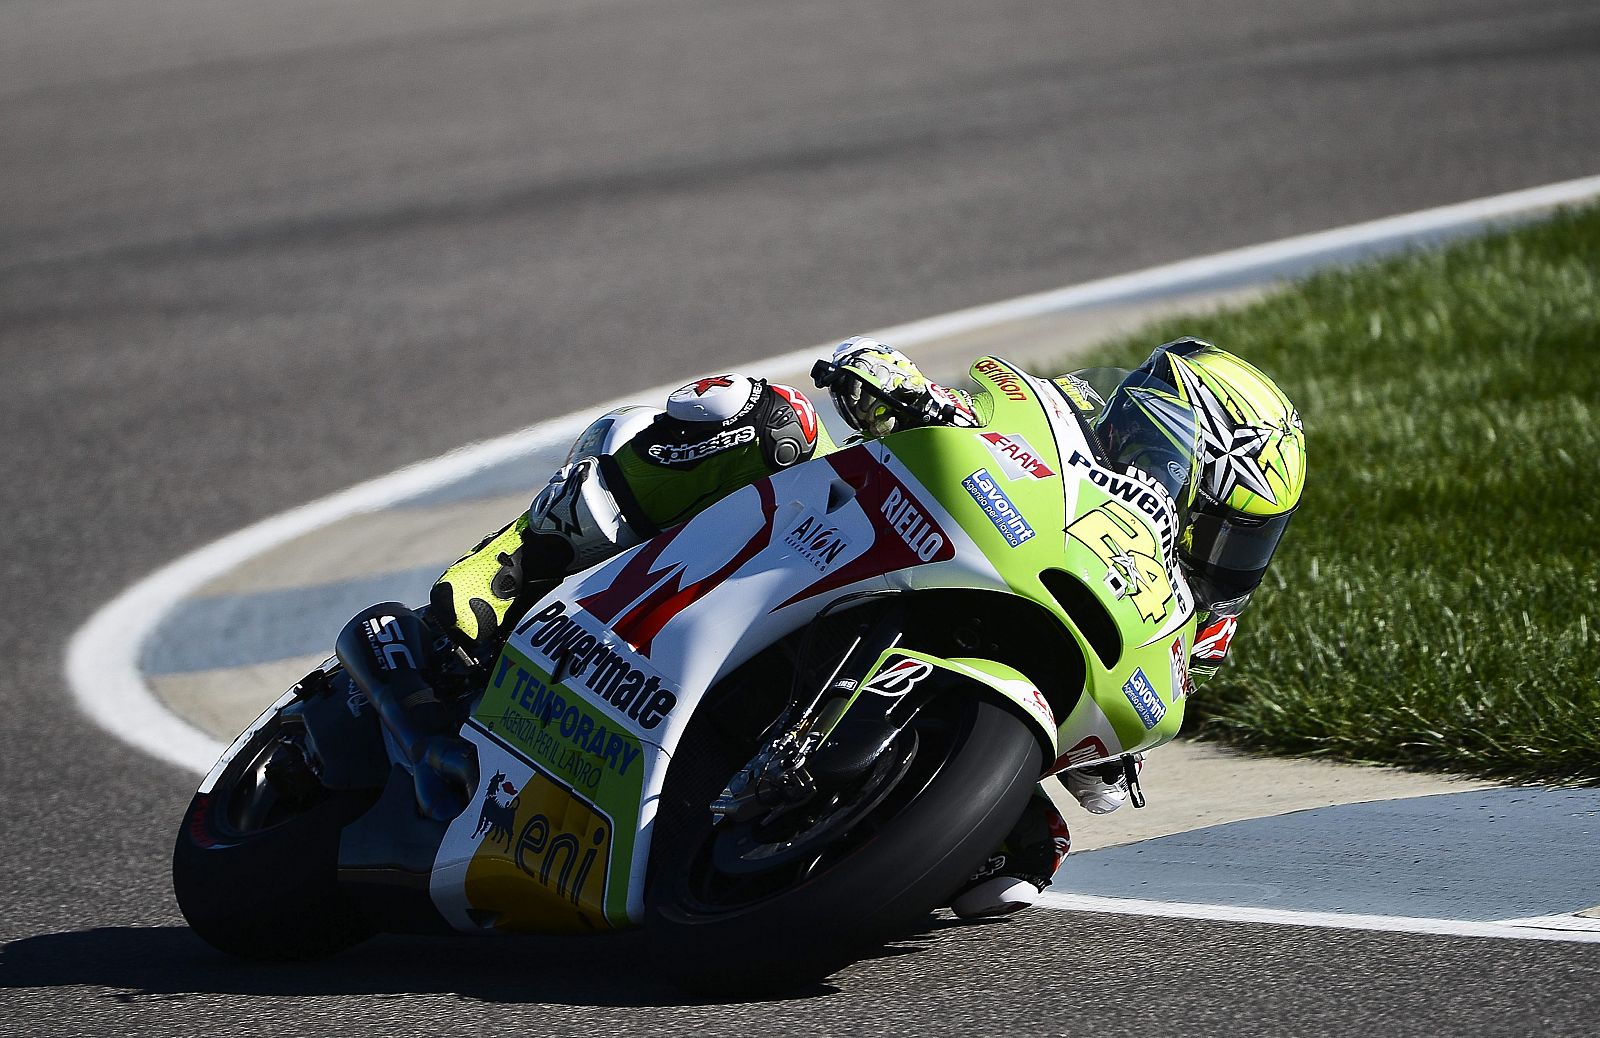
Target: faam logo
<point>1145,699</point>
<point>998,507</point>
<point>1002,377</point>
<point>1016,456</point>
<point>898,677</point>
<point>817,542</point>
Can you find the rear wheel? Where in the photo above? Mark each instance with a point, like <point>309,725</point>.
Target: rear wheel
<point>255,868</point>
<point>770,904</point>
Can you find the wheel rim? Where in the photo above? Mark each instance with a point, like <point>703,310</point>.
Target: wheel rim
<point>739,866</point>
<point>254,797</point>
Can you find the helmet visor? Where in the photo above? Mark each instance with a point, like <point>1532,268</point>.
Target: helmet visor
<point>1229,552</point>
<point>1147,426</point>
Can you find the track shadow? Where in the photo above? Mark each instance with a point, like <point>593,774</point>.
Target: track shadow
<point>169,962</point>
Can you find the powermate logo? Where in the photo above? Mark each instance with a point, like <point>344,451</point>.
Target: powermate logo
<point>1016,456</point>
<point>578,656</point>
<point>1146,701</point>
<point>1156,504</point>
<point>1003,378</point>
<point>998,507</point>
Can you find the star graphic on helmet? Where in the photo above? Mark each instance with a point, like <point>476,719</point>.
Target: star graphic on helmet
<point>705,385</point>
<point>1232,450</point>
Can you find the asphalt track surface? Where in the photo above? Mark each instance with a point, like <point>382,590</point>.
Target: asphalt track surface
<point>251,254</point>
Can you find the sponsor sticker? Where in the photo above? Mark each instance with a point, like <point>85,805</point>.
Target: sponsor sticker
<point>1146,701</point>
<point>818,542</point>
<point>921,535</point>
<point>1080,393</point>
<point>1015,456</point>
<point>1182,686</point>
<point>898,677</point>
<point>579,657</point>
<point>998,507</point>
<point>542,858</point>
<point>1135,489</point>
<point>1002,378</point>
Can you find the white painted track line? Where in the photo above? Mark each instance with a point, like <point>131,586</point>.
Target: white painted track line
<point>1542,928</point>
<point>102,664</point>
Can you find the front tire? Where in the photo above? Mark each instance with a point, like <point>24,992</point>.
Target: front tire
<point>255,867</point>
<point>717,925</point>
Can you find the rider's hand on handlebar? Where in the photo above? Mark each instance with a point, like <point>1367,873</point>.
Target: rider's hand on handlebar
<point>878,389</point>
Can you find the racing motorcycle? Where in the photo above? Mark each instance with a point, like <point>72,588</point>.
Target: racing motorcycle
<point>774,736</point>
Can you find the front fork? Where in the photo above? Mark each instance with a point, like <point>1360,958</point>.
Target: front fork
<point>876,690</point>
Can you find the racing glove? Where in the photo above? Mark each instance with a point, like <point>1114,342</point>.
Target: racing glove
<point>877,389</point>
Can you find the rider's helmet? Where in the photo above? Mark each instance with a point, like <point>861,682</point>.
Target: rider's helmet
<point>1252,464</point>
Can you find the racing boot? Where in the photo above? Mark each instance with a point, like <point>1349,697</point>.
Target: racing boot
<point>1020,868</point>
<point>1100,789</point>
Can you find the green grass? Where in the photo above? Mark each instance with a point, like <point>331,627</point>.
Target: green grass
<point>1434,602</point>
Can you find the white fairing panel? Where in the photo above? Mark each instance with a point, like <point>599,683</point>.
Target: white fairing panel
<point>642,637</point>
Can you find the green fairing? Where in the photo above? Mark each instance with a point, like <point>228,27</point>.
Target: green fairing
<point>941,458</point>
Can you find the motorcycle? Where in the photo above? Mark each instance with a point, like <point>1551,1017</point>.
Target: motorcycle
<point>774,736</point>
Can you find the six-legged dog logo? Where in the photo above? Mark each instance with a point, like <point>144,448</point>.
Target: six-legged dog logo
<point>496,819</point>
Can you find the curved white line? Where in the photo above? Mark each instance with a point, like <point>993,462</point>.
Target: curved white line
<point>1542,928</point>
<point>102,662</point>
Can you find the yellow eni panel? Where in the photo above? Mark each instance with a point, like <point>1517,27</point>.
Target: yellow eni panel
<point>541,865</point>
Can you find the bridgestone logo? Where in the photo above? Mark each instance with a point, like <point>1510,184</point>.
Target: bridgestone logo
<point>584,659</point>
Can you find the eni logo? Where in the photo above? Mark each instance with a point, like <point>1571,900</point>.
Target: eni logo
<point>543,856</point>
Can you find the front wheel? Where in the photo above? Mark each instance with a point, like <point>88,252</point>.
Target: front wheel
<point>752,906</point>
<point>256,860</point>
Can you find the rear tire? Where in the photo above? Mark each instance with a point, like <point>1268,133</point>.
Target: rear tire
<point>715,929</point>
<point>255,867</point>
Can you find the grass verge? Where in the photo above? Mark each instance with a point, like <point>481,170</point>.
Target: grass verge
<point>1434,602</point>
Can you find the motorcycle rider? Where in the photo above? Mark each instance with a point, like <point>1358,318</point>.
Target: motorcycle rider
<point>721,433</point>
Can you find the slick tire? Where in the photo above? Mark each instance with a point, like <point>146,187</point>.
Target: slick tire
<point>963,797</point>
<point>266,887</point>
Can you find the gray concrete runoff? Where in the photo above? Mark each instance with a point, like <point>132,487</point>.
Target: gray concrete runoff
<point>1221,826</point>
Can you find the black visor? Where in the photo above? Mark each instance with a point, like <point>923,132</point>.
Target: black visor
<point>1228,552</point>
